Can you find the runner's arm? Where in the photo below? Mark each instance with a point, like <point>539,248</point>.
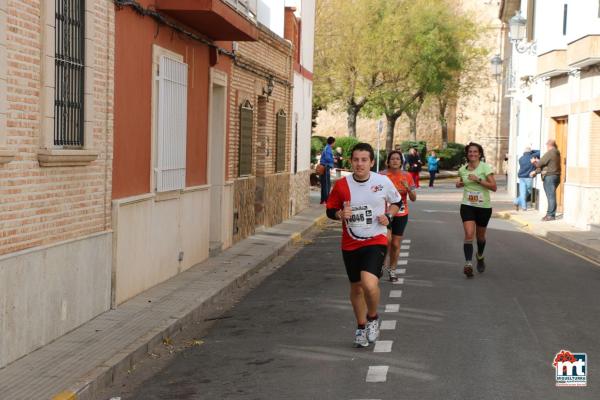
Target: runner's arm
<point>489,183</point>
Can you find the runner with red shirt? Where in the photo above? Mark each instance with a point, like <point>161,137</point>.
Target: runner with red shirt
<point>359,201</point>
<point>405,185</point>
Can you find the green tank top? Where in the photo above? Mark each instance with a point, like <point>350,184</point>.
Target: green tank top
<point>474,194</point>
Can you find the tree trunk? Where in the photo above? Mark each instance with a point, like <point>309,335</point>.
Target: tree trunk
<point>412,117</point>
<point>443,106</point>
<point>389,129</point>
<point>352,114</point>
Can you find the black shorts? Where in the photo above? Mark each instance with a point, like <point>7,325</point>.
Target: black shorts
<point>368,258</point>
<point>398,225</point>
<point>480,215</point>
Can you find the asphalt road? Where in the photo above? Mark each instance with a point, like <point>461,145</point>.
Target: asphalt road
<point>491,337</point>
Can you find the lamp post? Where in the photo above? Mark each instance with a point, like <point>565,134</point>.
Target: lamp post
<point>517,32</point>
<point>496,66</point>
<point>379,131</point>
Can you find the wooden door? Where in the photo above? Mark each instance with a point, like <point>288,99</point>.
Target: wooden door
<point>561,130</point>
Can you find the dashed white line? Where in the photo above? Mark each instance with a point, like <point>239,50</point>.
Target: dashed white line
<point>388,325</point>
<point>401,270</point>
<point>404,247</point>
<point>383,346</point>
<point>404,254</point>
<point>400,281</point>
<point>392,308</point>
<point>395,293</point>
<point>377,373</point>
<point>402,262</point>
<point>405,240</point>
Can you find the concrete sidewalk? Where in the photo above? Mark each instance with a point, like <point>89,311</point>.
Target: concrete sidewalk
<point>81,363</point>
<point>584,243</point>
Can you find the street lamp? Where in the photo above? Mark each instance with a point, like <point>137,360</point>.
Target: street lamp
<point>496,66</point>
<point>517,31</point>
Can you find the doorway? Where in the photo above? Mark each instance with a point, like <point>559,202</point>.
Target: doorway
<point>216,167</point>
<point>561,132</point>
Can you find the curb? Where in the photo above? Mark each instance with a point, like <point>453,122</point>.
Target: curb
<point>105,374</point>
<point>554,238</point>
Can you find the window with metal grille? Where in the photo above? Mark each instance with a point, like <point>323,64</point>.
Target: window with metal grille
<point>69,73</point>
<point>246,125</point>
<point>280,138</point>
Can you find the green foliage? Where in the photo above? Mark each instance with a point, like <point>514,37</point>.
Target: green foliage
<point>452,157</point>
<point>420,145</point>
<point>316,145</point>
<point>346,143</point>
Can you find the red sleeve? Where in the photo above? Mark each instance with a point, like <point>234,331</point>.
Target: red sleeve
<point>338,195</point>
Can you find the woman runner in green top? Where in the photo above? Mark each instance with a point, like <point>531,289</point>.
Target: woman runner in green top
<point>477,179</point>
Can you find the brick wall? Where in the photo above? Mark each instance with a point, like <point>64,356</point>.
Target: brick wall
<point>256,61</point>
<point>43,205</point>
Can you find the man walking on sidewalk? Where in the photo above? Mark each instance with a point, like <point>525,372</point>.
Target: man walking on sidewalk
<point>359,201</point>
<point>526,167</point>
<point>549,166</point>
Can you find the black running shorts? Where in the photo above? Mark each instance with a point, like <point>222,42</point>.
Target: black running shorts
<point>398,225</point>
<point>480,215</point>
<point>368,258</point>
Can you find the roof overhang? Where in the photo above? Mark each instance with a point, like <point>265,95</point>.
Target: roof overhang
<point>213,18</point>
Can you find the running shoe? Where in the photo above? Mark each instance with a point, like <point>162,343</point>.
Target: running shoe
<point>373,330</point>
<point>392,275</point>
<point>360,338</point>
<point>468,270</point>
<point>480,264</point>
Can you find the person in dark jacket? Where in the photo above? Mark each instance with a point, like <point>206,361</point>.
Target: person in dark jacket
<point>414,163</point>
<point>526,167</point>
<point>549,167</point>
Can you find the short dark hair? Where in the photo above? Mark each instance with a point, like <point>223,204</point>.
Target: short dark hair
<point>395,152</point>
<point>330,140</point>
<point>363,147</point>
<point>479,147</point>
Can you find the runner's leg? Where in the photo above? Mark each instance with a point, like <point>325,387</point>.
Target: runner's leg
<point>370,288</point>
<point>359,305</point>
<point>394,251</point>
<point>469,228</point>
<point>480,232</point>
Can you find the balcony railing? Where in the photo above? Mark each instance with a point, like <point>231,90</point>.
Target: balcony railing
<point>246,7</point>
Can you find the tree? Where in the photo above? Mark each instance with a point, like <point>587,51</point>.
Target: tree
<point>344,71</point>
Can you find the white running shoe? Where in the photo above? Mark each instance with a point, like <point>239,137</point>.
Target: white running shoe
<point>360,338</point>
<point>373,330</point>
<point>392,275</point>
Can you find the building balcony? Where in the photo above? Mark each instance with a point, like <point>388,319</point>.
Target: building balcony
<point>217,19</point>
<point>552,63</point>
<point>584,52</point>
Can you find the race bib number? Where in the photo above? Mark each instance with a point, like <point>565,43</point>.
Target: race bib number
<point>474,197</point>
<point>362,217</point>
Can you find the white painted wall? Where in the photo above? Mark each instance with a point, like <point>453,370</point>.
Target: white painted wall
<point>48,291</point>
<point>271,13</point>
<point>302,113</point>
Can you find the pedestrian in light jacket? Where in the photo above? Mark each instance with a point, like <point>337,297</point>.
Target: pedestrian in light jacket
<point>549,167</point>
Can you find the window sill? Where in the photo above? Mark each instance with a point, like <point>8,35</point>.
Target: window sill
<point>7,156</point>
<point>66,158</point>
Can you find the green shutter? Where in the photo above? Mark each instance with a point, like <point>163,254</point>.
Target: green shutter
<point>246,125</point>
<point>281,129</point>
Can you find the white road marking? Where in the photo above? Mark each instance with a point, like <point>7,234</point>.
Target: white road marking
<point>404,247</point>
<point>392,307</point>
<point>400,281</point>
<point>377,373</point>
<point>402,262</point>
<point>401,270</point>
<point>405,240</point>
<point>404,254</point>
<point>395,293</point>
<point>383,346</point>
<point>388,325</point>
